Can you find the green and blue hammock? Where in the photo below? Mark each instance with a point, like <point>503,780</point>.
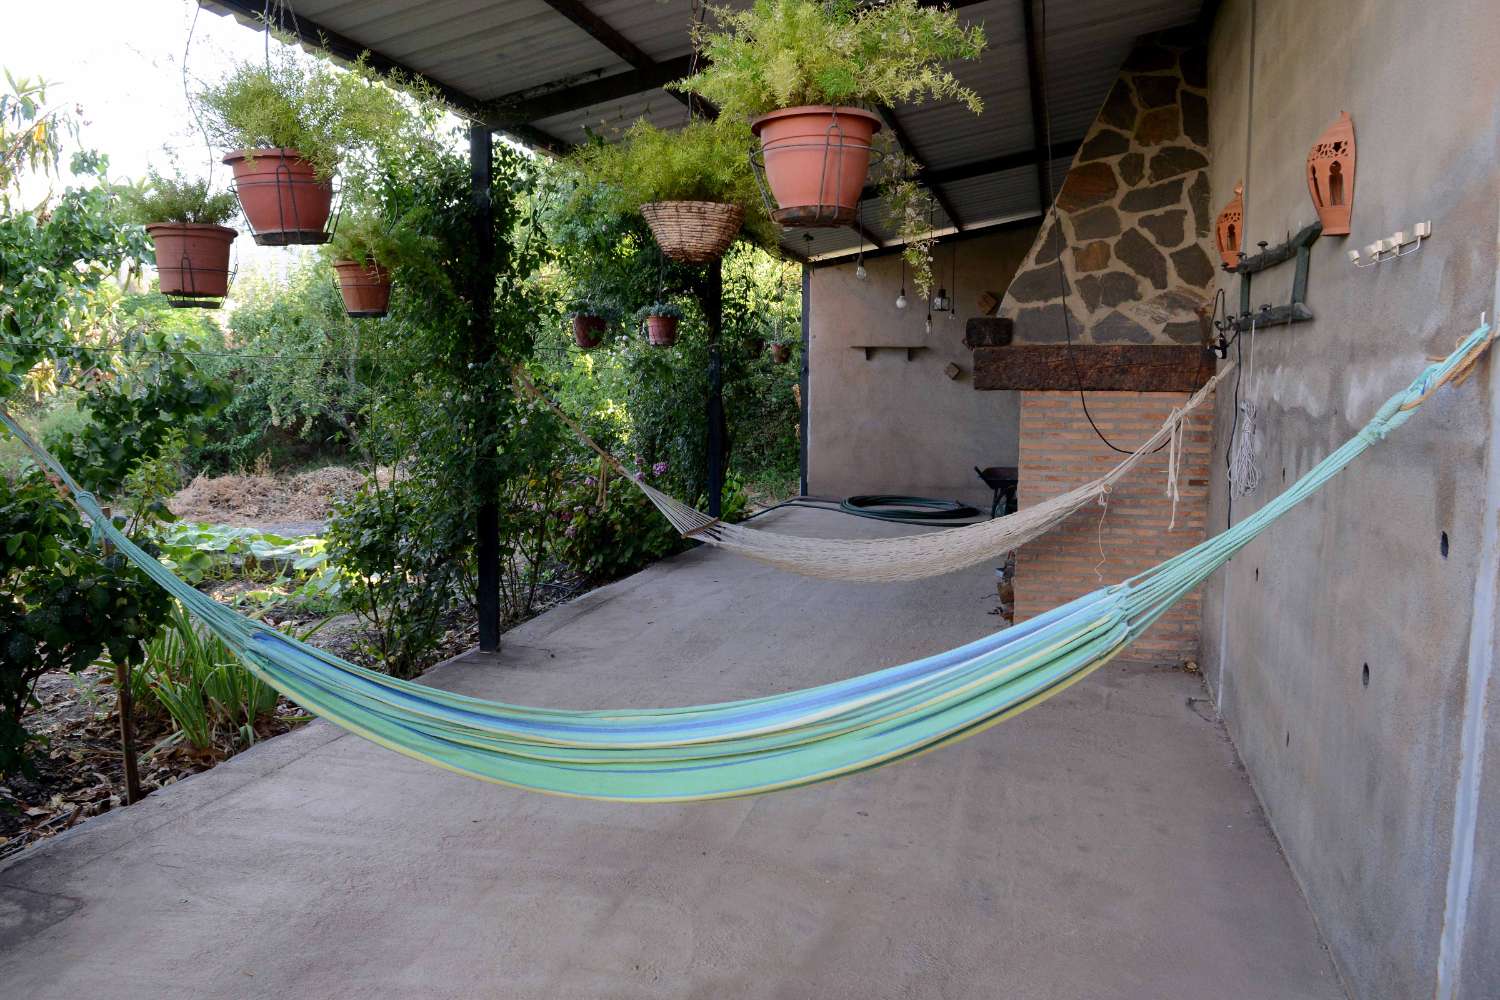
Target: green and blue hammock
<point>763,744</point>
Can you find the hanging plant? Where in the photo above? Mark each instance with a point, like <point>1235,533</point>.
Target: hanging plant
<point>660,319</point>
<point>364,251</point>
<point>804,74</point>
<point>781,352</point>
<point>185,220</point>
<point>694,187</point>
<point>590,321</point>
<point>289,125</point>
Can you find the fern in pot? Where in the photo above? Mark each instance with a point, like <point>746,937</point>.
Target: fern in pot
<point>660,320</point>
<point>364,251</point>
<point>185,220</point>
<point>288,123</point>
<point>695,187</point>
<point>806,75</point>
<point>590,318</point>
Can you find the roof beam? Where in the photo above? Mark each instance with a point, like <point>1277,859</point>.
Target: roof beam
<point>973,232</point>
<point>536,103</point>
<point>343,47</point>
<point>867,234</point>
<point>600,30</point>
<point>989,165</point>
<point>909,148</point>
<point>1035,88</point>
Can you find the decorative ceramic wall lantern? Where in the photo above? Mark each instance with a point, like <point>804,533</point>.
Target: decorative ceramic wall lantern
<point>1330,176</point>
<point>1227,229</point>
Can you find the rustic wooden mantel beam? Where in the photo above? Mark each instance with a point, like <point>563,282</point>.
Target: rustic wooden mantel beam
<point>1093,367</point>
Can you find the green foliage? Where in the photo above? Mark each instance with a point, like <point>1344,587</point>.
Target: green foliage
<point>177,199</point>
<point>335,118</point>
<point>30,134</point>
<point>605,541</point>
<point>671,309</point>
<point>365,238</point>
<point>703,161</point>
<point>784,53</point>
<point>134,415</point>
<point>301,371</point>
<point>63,604</point>
<point>404,549</point>
<point>58,268</point>
<point>196,679</point>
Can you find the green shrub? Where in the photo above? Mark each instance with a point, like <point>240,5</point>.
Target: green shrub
<point>178,199</point>
<point>608,541</point>
<point>785,53</point>
<point>62,604</point>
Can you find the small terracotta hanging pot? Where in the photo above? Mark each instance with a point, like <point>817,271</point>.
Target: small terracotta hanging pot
<point>588,331</point>
<point>366,288</point>
<point>1330,176</point>
<point>661,331</point>
<point>1227,230</point>
<point>781,353</point>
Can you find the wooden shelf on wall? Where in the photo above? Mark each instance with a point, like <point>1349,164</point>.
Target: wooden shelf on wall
<point>870,349</point>
<point>1095,367</point>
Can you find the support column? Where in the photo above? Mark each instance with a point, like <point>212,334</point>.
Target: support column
<point>802,409</point>
<point>711,297</point>
<point>487,528</point>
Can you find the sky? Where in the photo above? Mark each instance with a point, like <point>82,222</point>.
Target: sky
<point>122,62</point>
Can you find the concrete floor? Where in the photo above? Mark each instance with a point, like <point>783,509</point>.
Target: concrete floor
<point>1104,844</point>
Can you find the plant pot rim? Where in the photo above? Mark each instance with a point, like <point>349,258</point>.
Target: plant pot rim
<point>848,110</point>
<point>205,228</point>
<point>256,152</point>
<point>375,267</point>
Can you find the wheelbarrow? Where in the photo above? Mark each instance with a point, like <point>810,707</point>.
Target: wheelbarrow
<point>1002,481</point>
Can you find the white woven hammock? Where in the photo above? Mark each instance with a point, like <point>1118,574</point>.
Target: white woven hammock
<point>904,557</point>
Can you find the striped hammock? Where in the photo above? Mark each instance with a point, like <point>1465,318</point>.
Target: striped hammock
<point>763,744</point>
<point>903,557</point>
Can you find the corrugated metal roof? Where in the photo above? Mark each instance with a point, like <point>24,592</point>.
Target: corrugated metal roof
<point>492,48</point>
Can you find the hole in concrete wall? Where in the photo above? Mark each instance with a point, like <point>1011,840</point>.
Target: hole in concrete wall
<point>1257,572</point>
<point>1283,473</point>
<point>1364,676</point>
<point>1443,545</point>
<point>1288,737</point>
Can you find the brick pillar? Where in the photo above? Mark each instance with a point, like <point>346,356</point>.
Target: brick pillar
<point>1099,546</point>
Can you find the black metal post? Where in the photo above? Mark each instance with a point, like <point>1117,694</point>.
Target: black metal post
<point>711,298</point>
<point>487,528</point>
<point>802,399</point>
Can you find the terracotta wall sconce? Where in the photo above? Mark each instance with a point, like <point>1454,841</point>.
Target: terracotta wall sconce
<point>1227,228</point>
<point>1330,176</point>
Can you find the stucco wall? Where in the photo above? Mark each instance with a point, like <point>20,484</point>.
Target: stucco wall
<point>888,425</point>
<point>1360,780</point>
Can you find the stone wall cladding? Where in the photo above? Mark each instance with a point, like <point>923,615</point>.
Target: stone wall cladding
<point>1131,223</point>
<point>1101,546</point>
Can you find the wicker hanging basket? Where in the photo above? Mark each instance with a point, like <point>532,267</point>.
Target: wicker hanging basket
<point>694,232</point>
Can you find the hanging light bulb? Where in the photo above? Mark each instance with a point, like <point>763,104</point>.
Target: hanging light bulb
<point>953,282</point>
<point>901,299</point>
<point>859,265</point>
<point>929,322</point>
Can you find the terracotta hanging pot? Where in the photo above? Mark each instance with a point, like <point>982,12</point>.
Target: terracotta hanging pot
<point>1227,229</point>
<point>366,288</point>
<point>192,261</point>
<point>816,158</point>
<point>781,353</point>
<point>588,331</point>
<point>1330,176</point>
<point>661,331</point>
<point>281,196</point>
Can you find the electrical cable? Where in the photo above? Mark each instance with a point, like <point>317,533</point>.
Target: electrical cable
<point>1062,274</point>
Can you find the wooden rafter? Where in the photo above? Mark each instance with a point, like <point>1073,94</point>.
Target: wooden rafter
<point>602,32</point>
<point>909,149</point>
